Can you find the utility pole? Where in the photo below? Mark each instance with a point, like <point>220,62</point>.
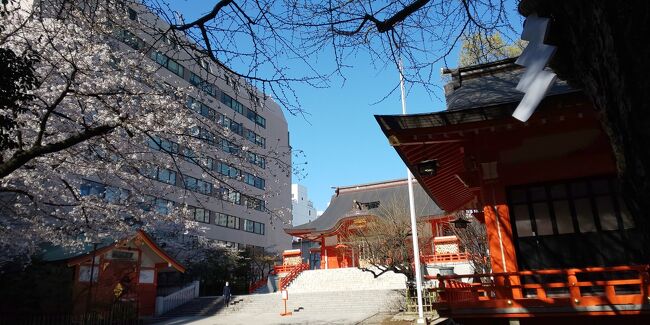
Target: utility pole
<point>414,226</point>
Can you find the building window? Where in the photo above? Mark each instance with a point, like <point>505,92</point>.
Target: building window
<point>256,159</point>
<point>221,220</point>
<point>201,84</point>
<point>229,147</point>
<point>253,227</point>
<point>248,225</point>
<point>160,174</point>
<point>230,195</point>
<point>203,134</point>
<point>579,206</point>
<point>231,125</point>
<point>164,145</point>
<point>253,180</point>
<point>227,170</point>
<point>190,156</point>
<point>254,203</point>
<point>110,194</point>
<point>115,194</point>
<point>255,138</point>
<point>202,109</point>
<point>166,176</point>
<point>162,206</point>
<point>205,65</point>
<point>259,228</point>
<point>169,42</point>
<point>175,67</point>
<point>89,188</point>
<point>207,162</point>
<point>259,120</point>
<point>129,39</point>
<point>233,222</point>
<point>159,205</point>
<point>232,103</point>
<point>168,63</point>
<point>201,215</point>
<point>197,185</point>
<point>132,14</point>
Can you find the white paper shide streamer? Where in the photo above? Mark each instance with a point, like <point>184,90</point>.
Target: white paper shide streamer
<point>535,81</point>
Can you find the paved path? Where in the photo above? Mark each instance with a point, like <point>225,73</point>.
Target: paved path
<point>349,307</point>
<point>297,318</point>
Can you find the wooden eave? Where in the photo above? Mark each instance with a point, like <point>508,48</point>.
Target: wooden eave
<point>446,136</point>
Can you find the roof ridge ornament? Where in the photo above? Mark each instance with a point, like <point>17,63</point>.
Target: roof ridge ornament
<point>356,205</point>
<point>535,81</point>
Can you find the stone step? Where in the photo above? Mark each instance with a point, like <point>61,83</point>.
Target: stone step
<point>334,292</point>
<point>342,302</point>
<point>202,306</point>
<point>344,280</point>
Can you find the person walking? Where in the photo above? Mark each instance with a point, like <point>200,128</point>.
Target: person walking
<point>226,295</point>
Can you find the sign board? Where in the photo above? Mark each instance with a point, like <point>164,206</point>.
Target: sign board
<point>285,294</point>
<point>124,255</point>
<point>146,276</point>
<point>84,273</point>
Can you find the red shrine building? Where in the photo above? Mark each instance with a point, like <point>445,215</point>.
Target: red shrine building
<point>352,207</point>
<point>125,271</point>
<point>561,240</point>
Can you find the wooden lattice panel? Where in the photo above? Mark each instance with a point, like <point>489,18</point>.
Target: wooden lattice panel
<point>450,248</point>
<point>292,260</point>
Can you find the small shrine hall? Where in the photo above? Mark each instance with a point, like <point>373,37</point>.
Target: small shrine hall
<point>124,271</point>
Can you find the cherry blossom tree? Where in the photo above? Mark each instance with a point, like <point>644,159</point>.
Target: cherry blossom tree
<point>97,108</point>
<point>384,242</point>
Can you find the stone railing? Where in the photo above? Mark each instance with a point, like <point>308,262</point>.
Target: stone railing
<point>171,301</point>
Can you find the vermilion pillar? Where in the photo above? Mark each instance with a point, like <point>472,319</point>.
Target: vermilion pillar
<point>502,250</point>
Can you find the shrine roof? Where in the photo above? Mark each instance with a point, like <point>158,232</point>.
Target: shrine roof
<point>369,200</point>
<point>490,84</point>
<point>478,97</point>
<point>54,253</point>
<point>76,256</point>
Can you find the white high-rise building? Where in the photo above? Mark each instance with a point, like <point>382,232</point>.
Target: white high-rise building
<point>302,208</point>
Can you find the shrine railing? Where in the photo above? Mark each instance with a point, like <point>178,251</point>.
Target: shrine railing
<point>278,269</point>
<point>592,291</point>
<point>444,258</point>
<point>257,284</point>
<point>292,275</point>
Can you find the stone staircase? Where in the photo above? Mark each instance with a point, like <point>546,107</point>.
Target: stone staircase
<point>344,280</point>
<point>327,307</point>
<point>199,307</point>
<point>366,301</point>
<point>271,285</point>
<point>335,296</point>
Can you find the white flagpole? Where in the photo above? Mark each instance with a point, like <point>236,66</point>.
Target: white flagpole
<point>414,226</point>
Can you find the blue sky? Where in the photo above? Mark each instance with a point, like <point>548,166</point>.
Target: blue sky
<point>341,141</point>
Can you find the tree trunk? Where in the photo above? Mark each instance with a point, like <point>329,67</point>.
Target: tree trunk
<point>604,48</point>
